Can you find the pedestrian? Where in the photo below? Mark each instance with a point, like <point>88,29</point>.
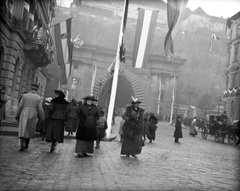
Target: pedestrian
<point>120,130</point>
<point>153,121</point>
<point>56,123</point>
<point>3,101</point>
<point>193,130</point>
<point>178,130</point>
<point>101,128</point>
<point>72,117</point>
<point>42,125</point>
<point>132,130</point>
<point>28,112</point>
<point>145,125</point>
<point>86,133</point>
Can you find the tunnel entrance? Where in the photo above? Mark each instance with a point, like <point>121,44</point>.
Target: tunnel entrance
<point>123,94</point>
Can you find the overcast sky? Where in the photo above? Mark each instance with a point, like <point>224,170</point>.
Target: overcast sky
<point>218,8</point>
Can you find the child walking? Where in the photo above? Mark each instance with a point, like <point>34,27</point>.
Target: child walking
<point>101,128</point>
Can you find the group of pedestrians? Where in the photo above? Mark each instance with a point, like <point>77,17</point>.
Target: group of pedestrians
<point>52,117</point>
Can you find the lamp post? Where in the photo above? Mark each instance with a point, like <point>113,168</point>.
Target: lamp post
<point>219,103</point>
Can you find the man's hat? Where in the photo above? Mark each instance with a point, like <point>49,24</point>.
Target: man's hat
<point>60,92</point>
<point>135,100</point>
<point>90,97</point>
<point>34,86</point>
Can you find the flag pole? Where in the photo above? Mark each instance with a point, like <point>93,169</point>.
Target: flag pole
<point>173,100</point>
<point>115,76</point>
<point>59,22</point>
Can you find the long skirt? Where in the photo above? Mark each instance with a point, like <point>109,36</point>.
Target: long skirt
<point>72,125</point>
<point>192,131</point>
<point>84,146</point>
<point>55,130</point>
<point>151,135</point>
<point>132,146</point>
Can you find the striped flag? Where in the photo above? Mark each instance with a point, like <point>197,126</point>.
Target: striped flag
<point>175,13</point>
<point>146,24</point>
<point>64,46</point>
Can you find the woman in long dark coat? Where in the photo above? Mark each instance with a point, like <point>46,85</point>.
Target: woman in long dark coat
<point>132,130</point>
<point>178,130</point>
<point>72,117</point>
<point>55,128</point>
<point>86,132</point>
<point>153,121</point>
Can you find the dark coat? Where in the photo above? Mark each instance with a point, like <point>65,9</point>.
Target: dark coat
<point>59,108</point>
<point>55,126</point>
<point>178,130</point>
<point>88,116</point>
<point>134,121</point>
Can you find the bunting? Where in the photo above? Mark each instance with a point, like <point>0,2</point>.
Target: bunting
<point>64,46</point>
<point>146,24</point>
<point>175,13</point>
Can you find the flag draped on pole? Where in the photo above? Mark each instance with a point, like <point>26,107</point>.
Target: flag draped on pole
<point>213,37</point>
<point>64,46</point>
<point>119,57</point>
<point>175,13</point>
<point>146,24</point>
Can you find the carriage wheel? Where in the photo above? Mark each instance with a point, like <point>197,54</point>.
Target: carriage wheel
<point>217,136</point>
<point>232,139</point>
<point>204,133</point>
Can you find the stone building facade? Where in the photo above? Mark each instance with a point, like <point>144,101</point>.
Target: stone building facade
<point>232,93</point>
<point>25,48</point>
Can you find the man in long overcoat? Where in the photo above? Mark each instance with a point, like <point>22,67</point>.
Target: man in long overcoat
<point>28,112</point>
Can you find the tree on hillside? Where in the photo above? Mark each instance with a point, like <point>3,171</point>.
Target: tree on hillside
<point>205,102</point>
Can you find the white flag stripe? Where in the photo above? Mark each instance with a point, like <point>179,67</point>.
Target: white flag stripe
<point>67,66</point>
<point>63,29</point>
<point>143,39</point>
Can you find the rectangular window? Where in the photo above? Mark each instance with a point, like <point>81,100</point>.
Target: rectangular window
<point>236,48</point>
<point>227,78</point>
<point>234,81</point>
<point>238,31</point>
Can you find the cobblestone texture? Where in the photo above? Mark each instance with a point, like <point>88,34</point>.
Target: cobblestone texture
<point>195,164</point>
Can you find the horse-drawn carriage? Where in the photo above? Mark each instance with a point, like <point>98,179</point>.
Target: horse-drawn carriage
<point>220,130</point>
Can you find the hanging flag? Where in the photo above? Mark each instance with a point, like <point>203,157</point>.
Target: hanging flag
<point>122,46</point>
<point>175,13</point>
<point>146,24</point>
<point>111,67</point>
<point>62,34</point>
<point>213,37</point>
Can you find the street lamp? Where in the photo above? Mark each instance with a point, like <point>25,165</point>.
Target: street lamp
<point>219,103</point>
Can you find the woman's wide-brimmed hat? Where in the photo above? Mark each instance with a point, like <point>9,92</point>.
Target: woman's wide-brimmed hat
<point>135,100</point>
<point>49,99</point>
<point>90,98</point>
<point>59,92</point>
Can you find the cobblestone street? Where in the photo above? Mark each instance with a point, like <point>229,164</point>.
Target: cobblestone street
<point>195,164</point>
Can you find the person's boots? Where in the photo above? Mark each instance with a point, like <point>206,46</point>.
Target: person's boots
<point>27,143</point>
<point>21,144</point>
<point>53,146</point>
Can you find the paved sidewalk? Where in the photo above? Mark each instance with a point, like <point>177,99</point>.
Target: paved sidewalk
<point>195,164</point>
